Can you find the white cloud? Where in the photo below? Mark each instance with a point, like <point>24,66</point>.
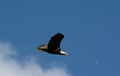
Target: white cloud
<point>10,67</point>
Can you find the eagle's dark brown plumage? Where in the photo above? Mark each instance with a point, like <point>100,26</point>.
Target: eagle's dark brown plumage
<point>53,46</point>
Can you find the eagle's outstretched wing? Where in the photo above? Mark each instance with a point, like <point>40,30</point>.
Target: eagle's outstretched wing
<point>55,41</point>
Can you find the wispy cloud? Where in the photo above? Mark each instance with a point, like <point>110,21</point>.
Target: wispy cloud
<point>11,67</point>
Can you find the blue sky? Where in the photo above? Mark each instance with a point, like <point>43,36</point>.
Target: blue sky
<point>91,30</point>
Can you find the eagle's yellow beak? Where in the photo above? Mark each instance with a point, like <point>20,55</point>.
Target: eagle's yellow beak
<point>39,48</point>
<point>42,48</point>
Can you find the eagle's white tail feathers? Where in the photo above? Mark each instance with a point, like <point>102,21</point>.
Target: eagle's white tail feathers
<point>63,53</point>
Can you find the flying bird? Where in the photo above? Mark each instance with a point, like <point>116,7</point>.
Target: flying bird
<point>53,46</point>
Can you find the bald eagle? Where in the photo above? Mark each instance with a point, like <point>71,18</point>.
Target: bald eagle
<point>53,46</point>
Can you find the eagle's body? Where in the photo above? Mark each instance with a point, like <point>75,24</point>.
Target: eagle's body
<point>53,46</point>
